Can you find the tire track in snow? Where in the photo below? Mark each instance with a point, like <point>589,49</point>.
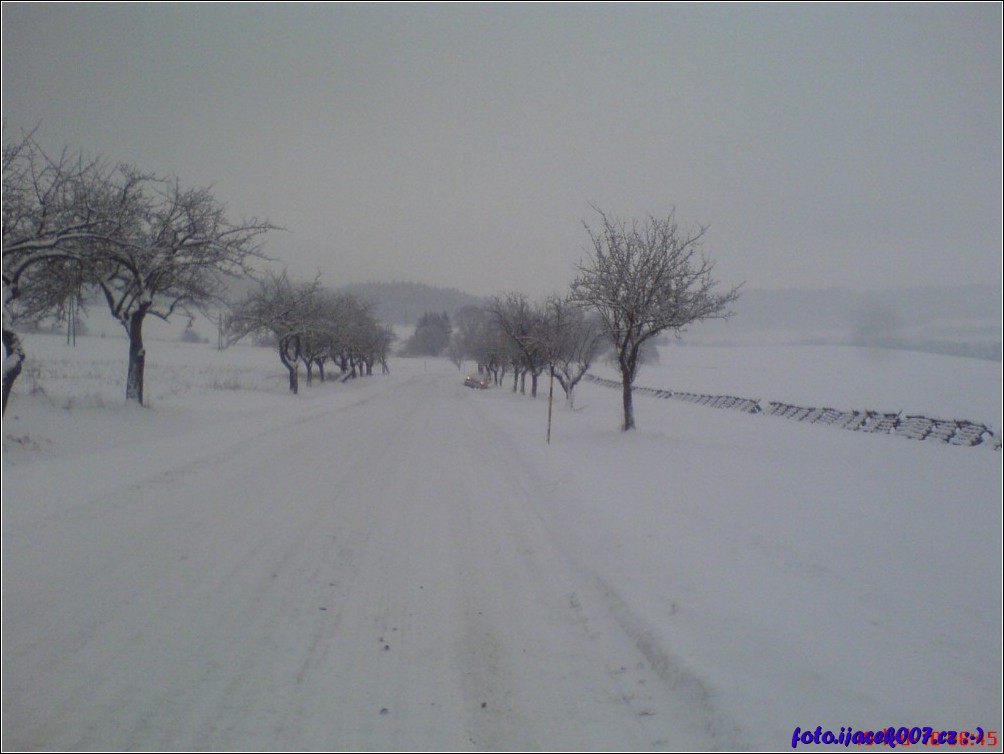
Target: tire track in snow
<point>392,584</point>
<point>723,733</point>
<point>602,611</point>
<point>156,651</point>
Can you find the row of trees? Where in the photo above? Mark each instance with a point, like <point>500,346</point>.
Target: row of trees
<point>312,326</point>
<point>147,246</point>
<point>144,244</point>
<point>639,281</point>
<point>78,230</point>
<point>513,335</point>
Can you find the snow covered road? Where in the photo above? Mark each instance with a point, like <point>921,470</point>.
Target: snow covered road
<point>401,563</point>
<point>370,576</point>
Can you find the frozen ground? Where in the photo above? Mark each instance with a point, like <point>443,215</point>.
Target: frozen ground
<point>401,563</point>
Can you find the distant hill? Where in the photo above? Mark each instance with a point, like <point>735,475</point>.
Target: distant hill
<point>404,303</point>
<point>954,320</point>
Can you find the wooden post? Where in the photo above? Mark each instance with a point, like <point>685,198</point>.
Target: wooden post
<point>550,402</point>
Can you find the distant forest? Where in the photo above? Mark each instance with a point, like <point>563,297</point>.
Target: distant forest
<point>404,303</point>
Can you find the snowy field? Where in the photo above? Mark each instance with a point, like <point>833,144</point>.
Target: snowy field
<point>401,563</point>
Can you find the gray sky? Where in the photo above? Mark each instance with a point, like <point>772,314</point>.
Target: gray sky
<point>463,145</point>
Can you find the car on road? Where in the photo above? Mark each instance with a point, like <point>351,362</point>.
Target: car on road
<point>478,383</point>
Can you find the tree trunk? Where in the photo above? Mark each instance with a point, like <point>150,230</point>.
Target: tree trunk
<point>291,367</point>
<point>569,388</point>
<point>628,362</point>
<point>310,372</point>
<point>568,384</point>
<point>12,364</point>
<point>137,357</point>
<point>628,404</point>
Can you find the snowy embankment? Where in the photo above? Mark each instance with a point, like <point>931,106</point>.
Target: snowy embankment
<point>402,563</point>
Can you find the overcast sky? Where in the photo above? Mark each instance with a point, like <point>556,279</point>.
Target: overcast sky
<point>464,145</point>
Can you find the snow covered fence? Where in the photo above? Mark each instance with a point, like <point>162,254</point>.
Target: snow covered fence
<point>746,405</point>
<point>912,426</point>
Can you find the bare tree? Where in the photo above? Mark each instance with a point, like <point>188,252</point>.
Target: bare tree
<point>478,336</point>
<point>526,329</point>
<point>575,340</point>
<point>382,339</point>
<point>374,344</point>
<point>55,208</point>
<point>51,205</point>
<point>644,279</point>
<point>317,341</point>
<point>150,247</point>
<point>345,331</point>
<point>13,351</point>
<point>356,337</point>
<point>285,310</point>
<point>171,256</point>
<point>312,325</point>
<point>465,340</point>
